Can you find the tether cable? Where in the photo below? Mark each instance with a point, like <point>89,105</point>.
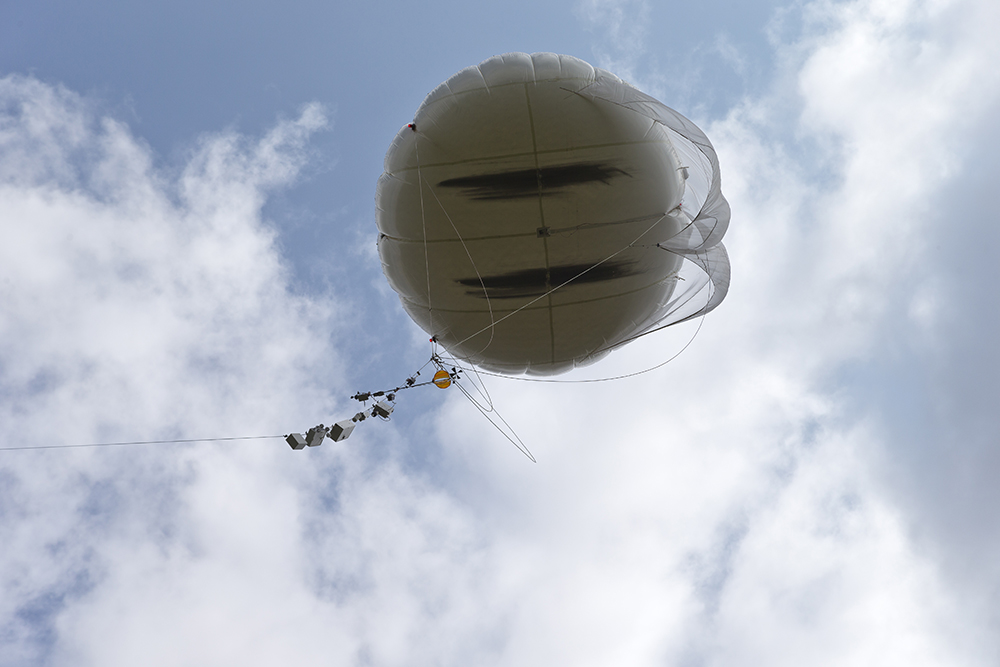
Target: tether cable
<point>141,442</point>
<point>516,440</point>
<point>607,379</point>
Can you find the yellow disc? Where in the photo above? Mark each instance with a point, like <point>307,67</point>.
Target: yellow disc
<point>442,380</point>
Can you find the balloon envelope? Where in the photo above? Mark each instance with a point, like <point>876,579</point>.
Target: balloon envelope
<point>539,212</point>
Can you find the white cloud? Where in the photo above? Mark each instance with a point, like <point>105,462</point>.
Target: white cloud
<point>740,458</point>
<point>136,305</point>
<point>728,509</point>
<point>621,27</point>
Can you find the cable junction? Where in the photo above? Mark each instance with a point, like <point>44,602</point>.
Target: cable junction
<point>383,402</point>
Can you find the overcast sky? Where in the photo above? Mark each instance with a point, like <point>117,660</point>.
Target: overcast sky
<point>187,249</point>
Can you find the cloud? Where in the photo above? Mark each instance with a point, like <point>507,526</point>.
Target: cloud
<point>749,472</point>
<point>138,302</point>
<point>931,372</point>
<point>621,27</point>
<point>733,508</point>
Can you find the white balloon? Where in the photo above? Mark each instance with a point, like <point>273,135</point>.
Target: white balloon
<point>539,212</point>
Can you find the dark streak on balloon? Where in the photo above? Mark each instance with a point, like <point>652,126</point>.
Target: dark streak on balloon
<point>534,282</point>
<point>532,182</point>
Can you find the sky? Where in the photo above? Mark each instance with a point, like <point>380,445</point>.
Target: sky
<point>187,250</point>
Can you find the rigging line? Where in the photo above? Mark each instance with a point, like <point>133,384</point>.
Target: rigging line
<point>383,392</point>
<point>423,223</point>
<point>554,231</point>
<point>517,443</point>
<point>431,359</point>
<point>655,326</point>
<point>480,385</point>
<point>560,286</point>
<point>395,389</point>
<point>141,442</point>
<point>480,388</point>
<point>417,372</point>
<point>474,268</point>
<point>700,313</point>
<point>697,143</point>
<point>607,379</point>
